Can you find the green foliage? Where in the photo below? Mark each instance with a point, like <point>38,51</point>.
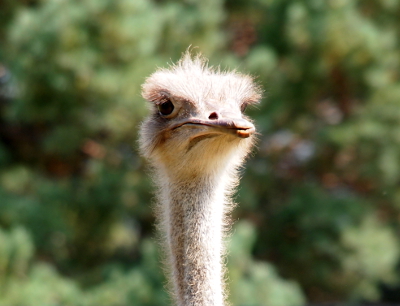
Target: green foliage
<point>142,285</point>
<point>45,287</point>
<point>366,266</point>
<point>255,282</point>
<point>337,240</point>
<point>319,199</point>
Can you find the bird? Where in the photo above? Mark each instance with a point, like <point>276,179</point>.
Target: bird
<point>196,139</point>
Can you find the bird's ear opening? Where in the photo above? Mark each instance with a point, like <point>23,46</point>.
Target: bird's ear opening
<point>254,93</point>
<point>251,100</point>
<point>243,107</point>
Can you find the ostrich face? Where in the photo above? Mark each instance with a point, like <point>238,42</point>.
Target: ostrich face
<point>197,114</point>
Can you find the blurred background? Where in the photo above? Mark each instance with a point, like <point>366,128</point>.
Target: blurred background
<point>319,214</point>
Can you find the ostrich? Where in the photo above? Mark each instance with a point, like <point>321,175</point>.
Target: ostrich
<point>196,138</point>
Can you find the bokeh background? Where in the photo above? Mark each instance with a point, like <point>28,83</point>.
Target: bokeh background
<point>319,213</point>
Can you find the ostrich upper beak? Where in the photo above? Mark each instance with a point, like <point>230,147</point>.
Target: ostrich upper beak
<point>236,126</point>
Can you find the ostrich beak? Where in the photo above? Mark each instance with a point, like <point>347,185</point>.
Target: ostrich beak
<point>236,126</point>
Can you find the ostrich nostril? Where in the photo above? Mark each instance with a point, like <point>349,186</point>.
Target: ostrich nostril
<point>213,116</point>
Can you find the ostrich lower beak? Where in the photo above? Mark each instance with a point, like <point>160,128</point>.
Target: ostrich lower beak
<point>236,126</point>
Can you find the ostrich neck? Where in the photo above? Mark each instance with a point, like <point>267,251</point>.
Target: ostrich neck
<point>193,217</point>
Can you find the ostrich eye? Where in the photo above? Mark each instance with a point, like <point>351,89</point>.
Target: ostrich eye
<point>166,108</point>
<point>243,107</point>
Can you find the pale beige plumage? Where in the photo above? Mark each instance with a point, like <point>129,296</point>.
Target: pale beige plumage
<point>196,137</point>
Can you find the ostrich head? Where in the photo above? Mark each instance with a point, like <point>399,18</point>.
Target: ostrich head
<point>197,120</point>
<point>196,137</point>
